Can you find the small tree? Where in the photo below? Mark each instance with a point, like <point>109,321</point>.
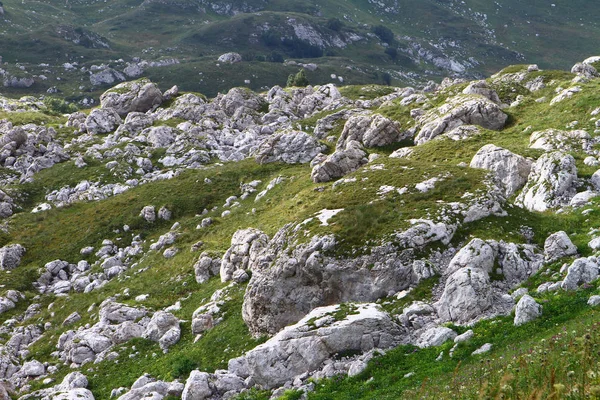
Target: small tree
<point>299,79</point>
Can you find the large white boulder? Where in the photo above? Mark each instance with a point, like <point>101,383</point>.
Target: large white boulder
<point>512,170</point>
<point>552,182</point>
<point>141,96</point>
<point>303,347</point>
<point>459,111</point>
<point>526,310</point>
<point>557,246</point>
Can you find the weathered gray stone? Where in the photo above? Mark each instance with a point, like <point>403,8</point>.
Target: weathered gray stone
<point>10,256</point>
<point>303,347</point>
<point>551,183</point>
<point>511,169</point>
<point>558,245</point>
<point>583,270</point>
<point>141,96</point>
<point>340,163</point>
<point>526,310</point>
<point>291,148</point>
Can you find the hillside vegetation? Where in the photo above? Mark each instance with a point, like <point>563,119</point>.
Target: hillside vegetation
<point>79,48</point>
<point>318,242</point>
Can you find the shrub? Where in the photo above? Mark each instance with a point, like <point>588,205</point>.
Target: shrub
<point>384,33</point>
<point>298,79</point>
<point>334,24</point>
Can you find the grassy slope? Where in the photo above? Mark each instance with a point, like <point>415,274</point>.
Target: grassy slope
<point>60,233</point>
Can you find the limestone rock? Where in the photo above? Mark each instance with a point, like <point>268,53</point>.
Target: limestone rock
<point>370,130</point>
<point>245,246</point>
<point>164,329</point>
<point>205,267</point>
<point>230,58</point>
<point>10,256</point>
<point>435,337</point>
<point>475,254</point>
<point>460,111</point>
<point>291,148</point>
<point>160,136</point>
<point>551,183</point>
<point>141,96</point>
<point>107,76</point>
<point>557,246</point>
<point>585,70</point>
<point>340,163</point>
<point>467,295</point>
<point>481,88</point>
<point>197,386</point>
<point>148,213</point>
<point>582,270</point>
<point>554,139</point>
<point>527,310</point>
<point>102,120</point>
<point>303,347</point>
<point>511,169</point>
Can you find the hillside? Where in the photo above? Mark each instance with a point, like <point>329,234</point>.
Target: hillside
<point>76,49</point>
<point>316,242</point>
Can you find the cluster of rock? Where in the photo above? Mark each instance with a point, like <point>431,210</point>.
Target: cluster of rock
<point>61,277</point>
<point>117,324</point>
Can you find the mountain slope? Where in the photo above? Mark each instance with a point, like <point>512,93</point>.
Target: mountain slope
<point>263,242</point>
<point>432,39</point>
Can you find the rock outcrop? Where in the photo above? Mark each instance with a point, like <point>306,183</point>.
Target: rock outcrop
<point>340,163</point>
<point>552,182</point>
<point>512,170</point>
<point>140,96</point>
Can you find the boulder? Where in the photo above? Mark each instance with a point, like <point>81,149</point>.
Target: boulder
<point>102,120</point>
<point>321,334</point>
<point>290,279</point>
<point>481,88</point>
<point>291,148</point>
<point>197,386</point>
<point>107,76</point>
<point>206,266</point>
<point>112,312</point>
<point>148,213</point>
<point>164,329</point>
<point>230,58</point>
<point>557,246</point>
<point>582,270</point>
<point>511,169</point>
<point>319,99</point>
<point>460,111</point>
<point>435,337</point>
<point>340,163</point>
<point>475,254</point>
<point>585,70</point>
<point>526,310</point>
<point>160,136</point>
<point>32,368</point>
<point>141,96</point>
<point>245,247</point>
<point>370,130</point>
<point>552,182</point>
<point>582,199</point>
<point>10,256</point>
<point>554,139</point>
<point>467,296</point>
<point>240,99</point>
<point>74,394</point>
